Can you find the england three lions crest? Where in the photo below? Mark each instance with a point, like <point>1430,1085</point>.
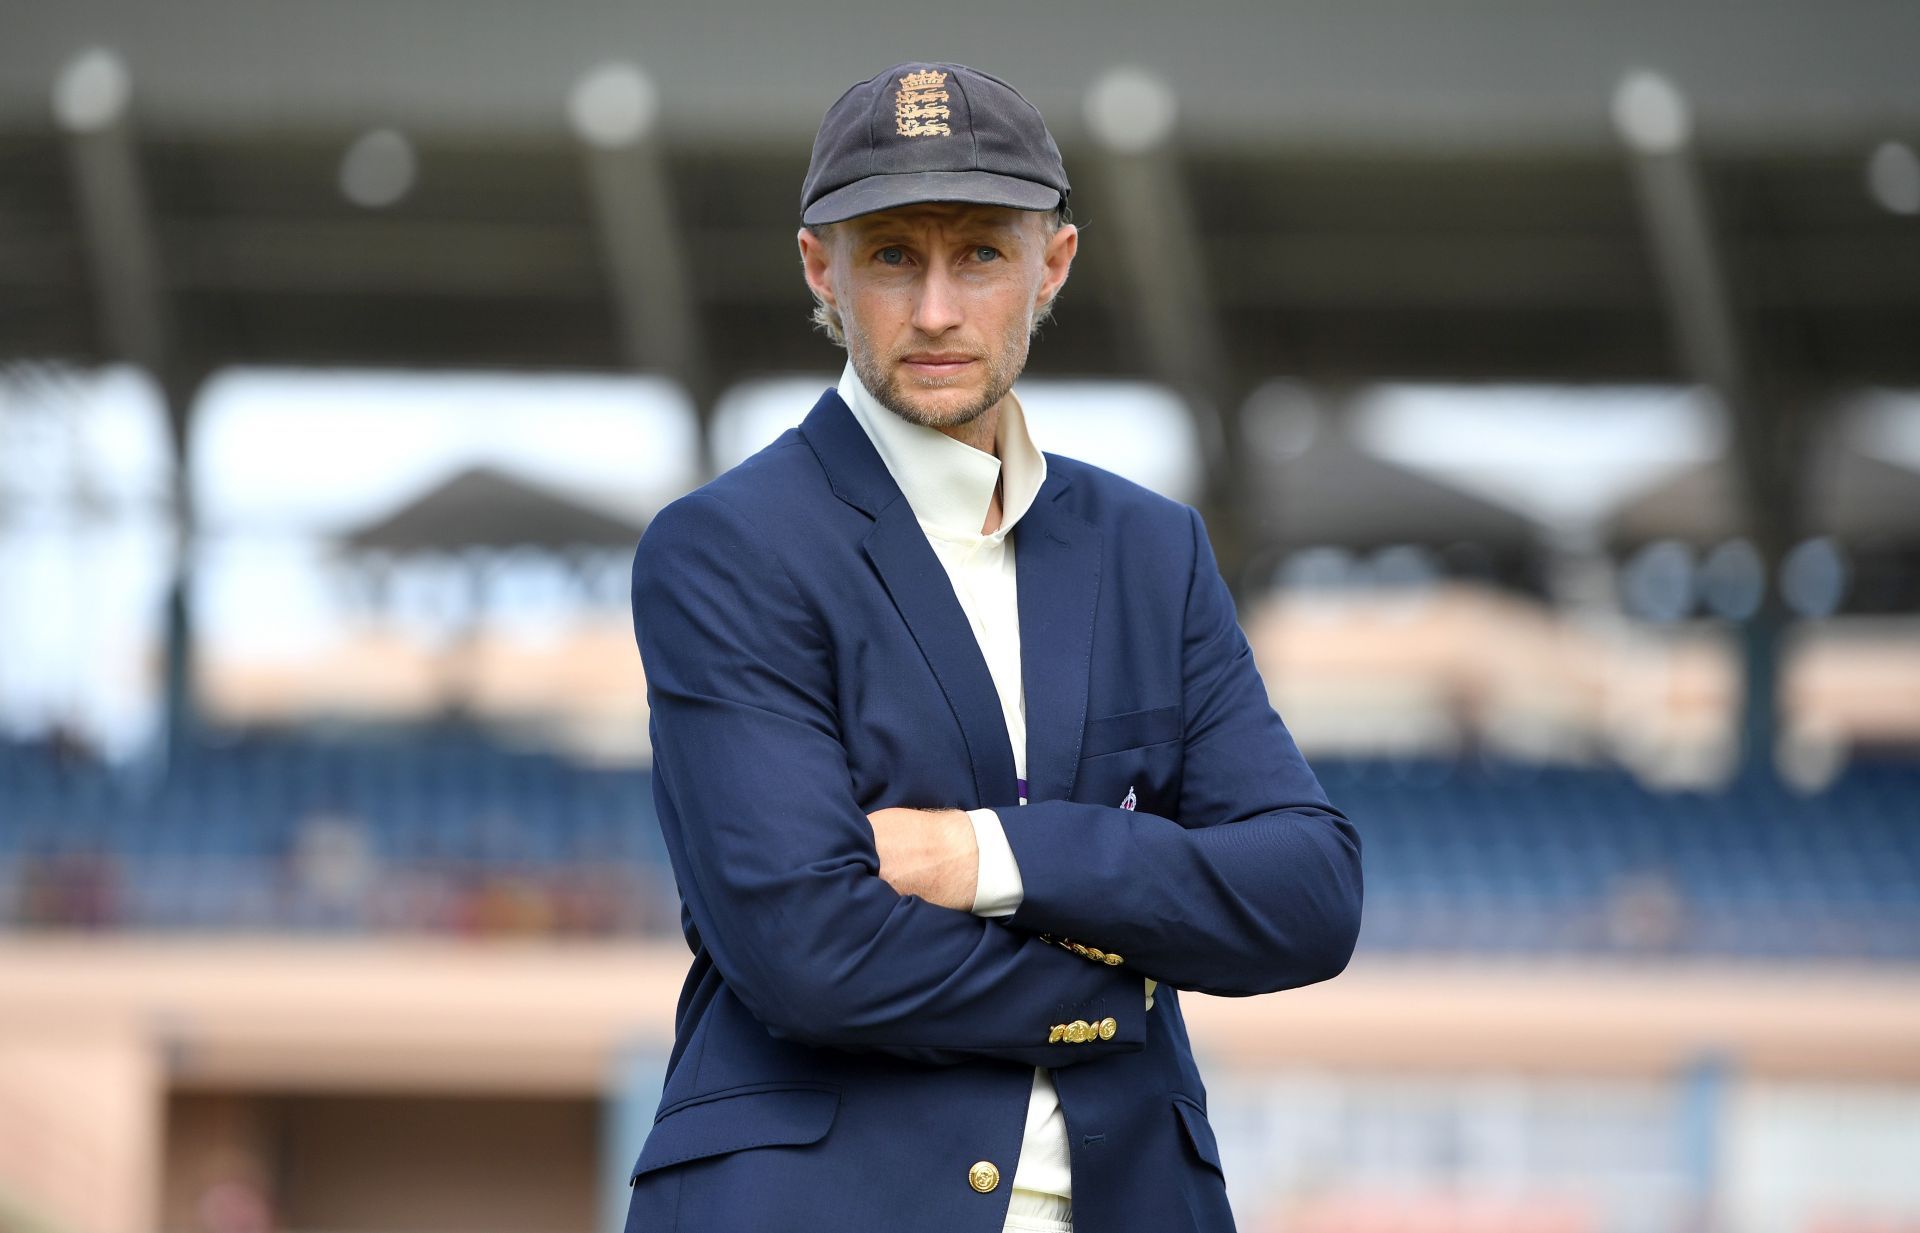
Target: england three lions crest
<point>920,105</point>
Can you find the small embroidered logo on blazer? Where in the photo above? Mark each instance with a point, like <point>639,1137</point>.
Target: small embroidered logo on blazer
<point>1130,802</point>
<point>920,105</point>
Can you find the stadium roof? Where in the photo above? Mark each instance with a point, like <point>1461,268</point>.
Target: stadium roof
<point>1409,191</point>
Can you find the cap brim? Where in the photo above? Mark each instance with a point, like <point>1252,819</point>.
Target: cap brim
<point>884,192</point>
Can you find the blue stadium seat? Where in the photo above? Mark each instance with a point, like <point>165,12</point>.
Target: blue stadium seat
<point>1478,855</point>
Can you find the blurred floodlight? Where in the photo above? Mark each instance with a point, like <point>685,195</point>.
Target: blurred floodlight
<point>1650,113</point>
<point>1657,583</point>
<point>92,91</point>
<point>1404,567</point>
<point>613,105</point>
<point>1886,424</point>
<point>1733,580</point>
<point>1813,578</point>
<point>378,169</point>
<point>1281,421</point>
<point>1893,177</point>
<point>1321,568</point>
<point>1130,110</point>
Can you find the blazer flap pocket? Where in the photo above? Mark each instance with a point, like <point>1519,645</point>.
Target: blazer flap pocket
<point>733,1120</point>
<point>1130,730</point>
<point>1199,1131</point>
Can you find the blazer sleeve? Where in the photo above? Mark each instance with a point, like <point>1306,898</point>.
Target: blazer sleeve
<point>1255,885</point>
<point>774,856</point>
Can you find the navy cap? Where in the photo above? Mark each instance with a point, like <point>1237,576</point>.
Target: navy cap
<point>931,132</point>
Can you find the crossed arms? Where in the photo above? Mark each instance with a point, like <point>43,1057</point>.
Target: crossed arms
<point>1255,888</point>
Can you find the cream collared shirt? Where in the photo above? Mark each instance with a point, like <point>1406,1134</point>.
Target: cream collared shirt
<point>949,486</point>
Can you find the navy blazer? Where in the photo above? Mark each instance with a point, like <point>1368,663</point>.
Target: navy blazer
<point>844,1056</point>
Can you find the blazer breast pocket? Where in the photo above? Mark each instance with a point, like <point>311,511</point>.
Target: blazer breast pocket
<point>1108,734</point>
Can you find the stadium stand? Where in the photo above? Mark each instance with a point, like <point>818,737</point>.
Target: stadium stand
<point>452,831</point>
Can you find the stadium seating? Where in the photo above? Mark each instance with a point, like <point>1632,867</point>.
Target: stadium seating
<point>451,830</point>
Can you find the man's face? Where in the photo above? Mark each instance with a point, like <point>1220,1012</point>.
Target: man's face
<point>937,301</point>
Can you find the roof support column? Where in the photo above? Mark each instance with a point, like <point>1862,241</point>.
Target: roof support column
<point>615,111</point>
<point>1170,310</point>
<point>92,103</point>
<point>1653,120</point>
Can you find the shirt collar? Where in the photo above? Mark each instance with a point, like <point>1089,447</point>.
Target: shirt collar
<point>948,483</point>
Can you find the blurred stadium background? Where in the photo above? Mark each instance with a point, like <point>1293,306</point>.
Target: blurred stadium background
<point>1549,376</point>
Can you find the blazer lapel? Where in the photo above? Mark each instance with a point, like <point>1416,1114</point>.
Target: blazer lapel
<point>920,589</point>
<point>924,594</point>
<point>1057,573</point>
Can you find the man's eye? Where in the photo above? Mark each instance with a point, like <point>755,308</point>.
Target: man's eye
<point>892,256</point>
<point>987,254</point>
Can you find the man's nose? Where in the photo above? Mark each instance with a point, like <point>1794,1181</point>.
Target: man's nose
<point>939,307</point>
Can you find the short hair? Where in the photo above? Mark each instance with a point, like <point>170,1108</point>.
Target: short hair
<point>827,318</point>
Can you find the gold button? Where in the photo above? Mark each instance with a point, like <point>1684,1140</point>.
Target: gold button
<point>1078,949</point>
<point>1058,1034</point>
<point>1094,952</point>
<point>1108,1027</point>
<point>1079,1032</point>
<point>1112,960</point>
<point>983,1176</point>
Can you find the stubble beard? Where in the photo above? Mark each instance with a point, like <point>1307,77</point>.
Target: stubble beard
<point>890,388</point>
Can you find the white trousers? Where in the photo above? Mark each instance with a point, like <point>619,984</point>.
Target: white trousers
<point>1030,1211</point>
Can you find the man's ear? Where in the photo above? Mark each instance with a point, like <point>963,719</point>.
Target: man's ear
<point>816,258</point>
<point>1057,258</point>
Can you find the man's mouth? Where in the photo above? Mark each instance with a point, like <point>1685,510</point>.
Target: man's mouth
<point>937,363</point>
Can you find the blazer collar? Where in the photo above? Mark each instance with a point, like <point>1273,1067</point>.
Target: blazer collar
<point>1057,557</point>
<point>950,483</point>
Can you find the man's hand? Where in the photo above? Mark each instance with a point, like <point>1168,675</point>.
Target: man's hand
<point>928,852</point>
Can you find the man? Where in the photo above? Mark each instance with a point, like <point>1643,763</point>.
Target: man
<point>958,752</point>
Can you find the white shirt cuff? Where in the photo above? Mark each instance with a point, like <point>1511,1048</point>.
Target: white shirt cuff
<point>1151,982</point>
<point>998,889</point>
